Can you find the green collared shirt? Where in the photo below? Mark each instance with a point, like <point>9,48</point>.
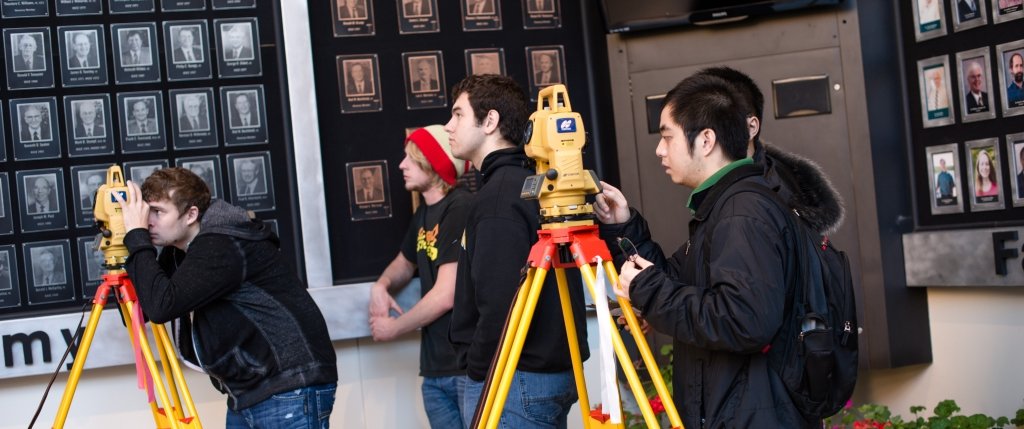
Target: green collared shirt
<point>711,181</point>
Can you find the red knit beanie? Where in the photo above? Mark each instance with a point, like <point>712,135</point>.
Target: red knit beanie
<point>432,140</point>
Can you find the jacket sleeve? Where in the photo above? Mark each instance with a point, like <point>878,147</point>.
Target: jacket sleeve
<point>637,231</point>
<point>500,254</point>
<point>740,309</point>
<point>213,266</point>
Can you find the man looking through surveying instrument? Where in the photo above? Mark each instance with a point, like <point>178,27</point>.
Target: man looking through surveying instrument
<point>431,248</point>
<point>722,295</point>
<point>488,119</point>
<point>242,313</point>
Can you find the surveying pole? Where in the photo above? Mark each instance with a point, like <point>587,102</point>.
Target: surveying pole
<point>111,241</point>
<point>555,140</point>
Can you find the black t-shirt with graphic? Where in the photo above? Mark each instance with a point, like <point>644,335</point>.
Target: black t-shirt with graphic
<point>433,240</point>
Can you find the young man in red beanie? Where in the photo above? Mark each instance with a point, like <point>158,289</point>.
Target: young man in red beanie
<point>431,247</point>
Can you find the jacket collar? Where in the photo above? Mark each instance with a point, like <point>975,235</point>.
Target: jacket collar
<point>698,194</point>
<point>504,157</point>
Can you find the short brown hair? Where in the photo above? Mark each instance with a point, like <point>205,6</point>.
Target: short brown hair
<point>501,94</point>
<point>179,185</point>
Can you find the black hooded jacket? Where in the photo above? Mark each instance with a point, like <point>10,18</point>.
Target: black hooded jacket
<point>722,314</point>
<point>245,317</point>
<point>500,230</point>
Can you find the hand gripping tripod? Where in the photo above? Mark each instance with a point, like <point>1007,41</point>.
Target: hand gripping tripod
<point>555,141</point>
<point>116,281</point>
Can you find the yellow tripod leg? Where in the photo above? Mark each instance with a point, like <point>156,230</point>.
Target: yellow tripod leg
<point>574,345</point>
<point>147,352</point>
<point>506,344</point>
<point>493,413</point>
<point>169,356</point>
<point>76,368</point>
<point>645,351</point>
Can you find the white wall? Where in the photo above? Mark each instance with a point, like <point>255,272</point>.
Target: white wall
<point>977,347</point>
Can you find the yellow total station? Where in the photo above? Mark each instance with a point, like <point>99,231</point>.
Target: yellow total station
<point>110,220</point>
<point>555,140</point>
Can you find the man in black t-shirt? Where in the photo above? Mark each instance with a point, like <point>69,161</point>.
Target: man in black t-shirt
<point>431,248</point>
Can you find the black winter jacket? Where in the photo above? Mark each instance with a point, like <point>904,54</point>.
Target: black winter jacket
<point>722,297</point>
<point>500,230</point>
<point>245,317</point>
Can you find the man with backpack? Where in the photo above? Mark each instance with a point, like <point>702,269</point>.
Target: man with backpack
<point>724,294</point>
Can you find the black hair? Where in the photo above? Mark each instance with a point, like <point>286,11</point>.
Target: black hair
<point>501,94</point>
<point>745,85</point>
<point>702,102</point>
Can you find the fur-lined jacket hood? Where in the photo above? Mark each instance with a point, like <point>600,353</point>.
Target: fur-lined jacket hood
<point>802,184</point>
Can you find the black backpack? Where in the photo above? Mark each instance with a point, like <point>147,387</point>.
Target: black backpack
<point>815,350</point>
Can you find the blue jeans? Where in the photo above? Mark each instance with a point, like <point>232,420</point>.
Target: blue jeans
<point>535,400</point>
<point>305,408</point>
<point>441,396</point>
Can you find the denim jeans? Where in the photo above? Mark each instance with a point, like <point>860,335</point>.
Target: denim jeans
<point>305,408</point>
<point>535,400</point>
<point>441,396</point>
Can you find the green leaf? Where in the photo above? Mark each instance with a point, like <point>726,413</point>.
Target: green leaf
<point>946,408</point>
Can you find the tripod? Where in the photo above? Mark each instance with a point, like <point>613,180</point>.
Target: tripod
<point>117,281</point>
<point>581,239</point>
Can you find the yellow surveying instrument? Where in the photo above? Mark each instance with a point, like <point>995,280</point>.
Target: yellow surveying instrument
<point>111,241</point>
<point>555,141</point>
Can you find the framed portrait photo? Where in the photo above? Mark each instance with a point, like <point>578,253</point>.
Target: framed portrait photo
<point>84,55</point>
<point>976,101</point>
<point>546,65</point>
<point>90,265</point>
<point>541,14</point>
<point>24,8</point>
<point>132,6</point>
<point>929,19</point>
<point>481,15</point>
<point>1011,76</point>
<point>6,212</point>
<point>208,169</point>
<point>968,14</point>
<point>187,50</point>
<point>984,175</point>
<point>87,120</point>
<point>193,123</point>
<point>48,271</point>
<point>85,180</point>
<point>135,52</point>
<point>29,59</point>
<point>1015,156</point>
<point>251,179</point>
<point>10,289</point>
<point>425,84</point>
<point>239,43</point>
<point>138,171</point>
<point>359,83</point>
<point>944,179</point>
<point>485,61</point>
<point>369,190</point>
<point>353,18</point>
<point>933,83</point>
<point>243,111</point>
<point>418,16</point>
<point>34,128</point>
<point>1007,10</point>
<point>41,193</point>
<point>142,127</point>
<point>79,7</point>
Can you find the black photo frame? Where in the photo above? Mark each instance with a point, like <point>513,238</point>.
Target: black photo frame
<point>369,190</point>
<point>138,171</point>
<point>187,50</point>
<point>135,52</point>
<point>238,43</point>
<point>208,169</point>
<point>243,115</point>
<point>481,15</point>
<point>87,120</point>
<point>418,16</point>
<point>41,197</point>
<point>545,66</point>
<point>24,8</point>
<point>485,61</point>
<point>542,14</point>
<point>90,265</point>
<point>34,129</point>
<point>48,272</point>
<point>182,5</point>
<point>251,180</point>
<point>193,121</point>
<point>142,127</point>
<point>83,55</point>
<point>29,59</point>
